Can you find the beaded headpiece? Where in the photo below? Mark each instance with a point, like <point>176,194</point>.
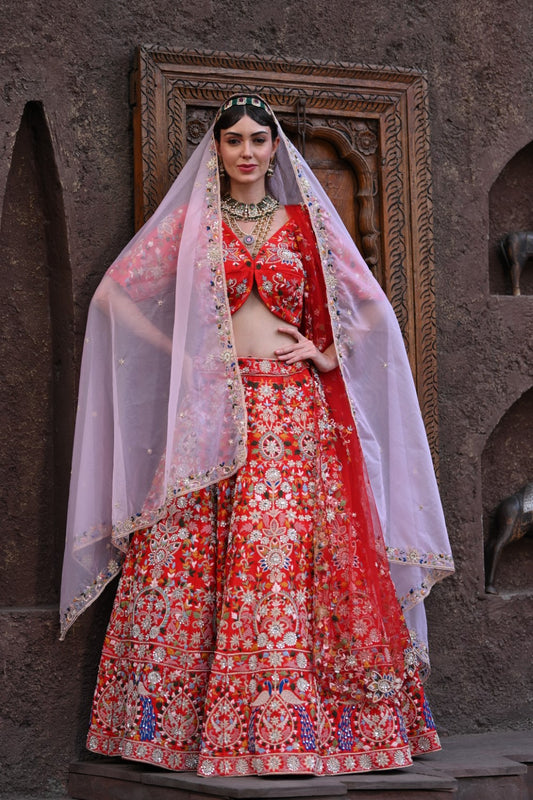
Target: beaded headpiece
<point>243,100</point>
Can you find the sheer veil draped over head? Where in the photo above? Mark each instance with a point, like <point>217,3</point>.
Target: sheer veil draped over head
<point>157,421</point>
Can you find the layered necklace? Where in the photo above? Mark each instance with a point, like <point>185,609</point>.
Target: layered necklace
<point>262,212</point>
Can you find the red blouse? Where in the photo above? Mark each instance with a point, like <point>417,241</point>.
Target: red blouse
<point>286,271</point>
<point>277,270</point>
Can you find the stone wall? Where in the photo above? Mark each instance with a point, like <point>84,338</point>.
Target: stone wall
<point>66,193</point>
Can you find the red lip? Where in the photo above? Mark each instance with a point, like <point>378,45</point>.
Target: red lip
<point>246,167</point>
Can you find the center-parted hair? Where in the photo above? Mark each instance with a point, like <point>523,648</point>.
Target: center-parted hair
<point>236,112</point>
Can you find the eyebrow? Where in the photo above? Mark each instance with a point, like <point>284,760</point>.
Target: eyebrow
<point>234,133</point>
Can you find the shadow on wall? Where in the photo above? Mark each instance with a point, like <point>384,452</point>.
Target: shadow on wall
<point>36,352</point>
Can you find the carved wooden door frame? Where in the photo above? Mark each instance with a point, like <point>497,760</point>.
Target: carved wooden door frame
<point>376,118</point>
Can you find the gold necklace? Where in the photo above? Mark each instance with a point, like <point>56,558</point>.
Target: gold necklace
<point>239,210</point>
<point>256,238</point>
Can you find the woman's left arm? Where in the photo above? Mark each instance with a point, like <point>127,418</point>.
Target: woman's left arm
<point>304,349</point>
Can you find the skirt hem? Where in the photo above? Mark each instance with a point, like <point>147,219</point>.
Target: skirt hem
<point>265,764</point>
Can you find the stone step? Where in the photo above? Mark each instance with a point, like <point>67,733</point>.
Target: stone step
<point>477,767</point>
<point>99,781</point>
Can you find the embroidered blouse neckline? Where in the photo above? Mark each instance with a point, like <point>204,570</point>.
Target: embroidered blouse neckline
<point>265,243</point>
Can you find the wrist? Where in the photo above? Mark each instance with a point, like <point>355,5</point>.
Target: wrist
<point>325,362</point>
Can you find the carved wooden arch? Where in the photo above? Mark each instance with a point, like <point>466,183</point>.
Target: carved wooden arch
<point>175,95</point>
<point>365,195</point>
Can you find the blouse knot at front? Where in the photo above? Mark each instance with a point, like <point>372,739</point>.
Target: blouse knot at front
<point>277,271</point>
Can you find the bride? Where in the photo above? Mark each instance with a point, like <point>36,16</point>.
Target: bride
<point>250,454</point>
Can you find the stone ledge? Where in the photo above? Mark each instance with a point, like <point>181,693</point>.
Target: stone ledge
<point>95,780</point>
<point>193,785</point>
<point>409,779</point>
<point>481,755</point>
<point>251,786</point>
<point>472,767</point>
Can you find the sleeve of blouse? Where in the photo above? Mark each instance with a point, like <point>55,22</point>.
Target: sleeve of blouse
<point>149,266</point>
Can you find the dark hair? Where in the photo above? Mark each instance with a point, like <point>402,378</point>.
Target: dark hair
<point>233,114</point>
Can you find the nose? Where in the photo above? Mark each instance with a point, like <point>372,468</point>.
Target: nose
<point>246,149</point>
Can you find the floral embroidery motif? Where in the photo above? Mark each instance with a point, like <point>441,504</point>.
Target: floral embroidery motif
<point>111,702</point>
<point>223,726</point>
<point>383,686</point>
<point>149,266</point>
<point>150,613</point>
<point>440,560</point>
<point>180,720</point>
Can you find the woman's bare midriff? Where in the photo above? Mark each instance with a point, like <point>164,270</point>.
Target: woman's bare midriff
<point>255,329</point>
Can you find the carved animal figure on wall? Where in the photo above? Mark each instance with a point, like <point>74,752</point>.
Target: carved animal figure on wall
<point>516,248</point>
<point>513,519</point>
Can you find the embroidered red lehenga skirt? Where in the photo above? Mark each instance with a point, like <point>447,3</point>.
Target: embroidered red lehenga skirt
<point>209,662</point>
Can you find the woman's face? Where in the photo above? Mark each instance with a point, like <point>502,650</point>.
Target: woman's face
<point>246,150</point>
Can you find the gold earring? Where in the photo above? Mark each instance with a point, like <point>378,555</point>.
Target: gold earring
<point>271,167</point>
<point>221,170</point>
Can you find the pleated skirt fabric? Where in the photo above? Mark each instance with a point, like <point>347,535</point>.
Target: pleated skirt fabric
<point>208,661</point>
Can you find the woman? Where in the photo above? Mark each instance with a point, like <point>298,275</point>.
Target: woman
<point>230,350</point>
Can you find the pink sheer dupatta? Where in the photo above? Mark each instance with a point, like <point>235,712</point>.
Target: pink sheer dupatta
<point>161,409</point>
<point>151,425</point>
